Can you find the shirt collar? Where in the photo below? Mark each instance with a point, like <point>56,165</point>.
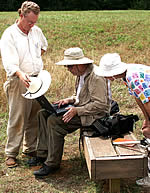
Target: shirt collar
<point>20,29</point>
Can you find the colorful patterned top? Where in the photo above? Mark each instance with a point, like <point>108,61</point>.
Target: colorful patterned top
<point>138,81</point>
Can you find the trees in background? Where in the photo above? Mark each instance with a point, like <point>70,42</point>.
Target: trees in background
<point>13,5</point>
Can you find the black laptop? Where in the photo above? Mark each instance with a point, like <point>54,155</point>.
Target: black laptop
<point>45,104</point>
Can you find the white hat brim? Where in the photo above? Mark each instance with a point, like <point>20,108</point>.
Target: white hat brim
<point>100,71</point>
<point>75,62</point>
<point>46,80</point>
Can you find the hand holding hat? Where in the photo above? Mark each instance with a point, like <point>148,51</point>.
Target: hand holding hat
<point>38,85</point>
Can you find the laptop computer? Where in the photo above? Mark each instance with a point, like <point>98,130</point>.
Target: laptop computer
<point>45,104</point>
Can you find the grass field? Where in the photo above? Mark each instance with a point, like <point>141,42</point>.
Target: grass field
<point>96,32</point>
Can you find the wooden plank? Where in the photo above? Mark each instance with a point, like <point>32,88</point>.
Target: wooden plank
<point>105,161</point>
<point>132,136</point>
<point>121,158</point>
<point>114,185</point>
<point>124,168</point>
<point>102,147</point>
<point>126,150</point>
<point>90,158</point>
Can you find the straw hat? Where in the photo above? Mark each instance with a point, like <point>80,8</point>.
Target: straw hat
<point>74,56</point>
<point>38,85</point>
<point>110,65</point>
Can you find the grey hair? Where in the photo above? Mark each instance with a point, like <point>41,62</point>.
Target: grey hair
<point>27,7</point>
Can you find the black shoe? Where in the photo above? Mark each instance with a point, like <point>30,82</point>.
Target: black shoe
<point>35,161</point>
<point>45,170</point>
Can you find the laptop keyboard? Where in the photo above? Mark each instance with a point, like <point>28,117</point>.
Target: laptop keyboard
<point>62,109</point>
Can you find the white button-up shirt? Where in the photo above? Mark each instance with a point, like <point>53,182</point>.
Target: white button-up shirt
<point>20,51</point>
<point>81,83</point>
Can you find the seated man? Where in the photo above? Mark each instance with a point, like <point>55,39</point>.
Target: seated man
<point>90,103</point>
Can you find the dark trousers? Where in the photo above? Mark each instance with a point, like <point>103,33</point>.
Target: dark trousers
<point>51,133</point>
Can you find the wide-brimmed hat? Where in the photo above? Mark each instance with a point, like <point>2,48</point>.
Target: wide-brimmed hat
<point>38,85</point>
<point>110,65</point>
<point>74,56</point>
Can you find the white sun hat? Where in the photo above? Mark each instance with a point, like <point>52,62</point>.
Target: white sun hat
<point>38,85</point>
<point>74,56</point>
<point>110,65</point>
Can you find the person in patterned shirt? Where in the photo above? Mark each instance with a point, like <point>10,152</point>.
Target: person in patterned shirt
<point>137,79</point>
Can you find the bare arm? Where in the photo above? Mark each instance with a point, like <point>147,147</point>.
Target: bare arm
<point>146,123</point>
<point>145,108</point>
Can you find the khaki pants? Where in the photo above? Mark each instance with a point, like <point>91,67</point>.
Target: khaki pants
<point>52,131</point>
<point>22,123</point>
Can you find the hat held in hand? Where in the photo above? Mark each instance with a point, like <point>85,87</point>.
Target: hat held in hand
<point>38,85</point>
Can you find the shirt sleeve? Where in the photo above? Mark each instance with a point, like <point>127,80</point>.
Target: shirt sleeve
<point>99,98</point>
<point>10,58</point>
<point>43,39</point>
<point>139,88</point>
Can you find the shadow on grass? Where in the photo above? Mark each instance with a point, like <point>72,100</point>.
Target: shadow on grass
<point>72,177</point>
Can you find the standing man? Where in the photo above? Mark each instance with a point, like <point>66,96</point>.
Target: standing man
<point>22,45</point>
<point>91,102</point>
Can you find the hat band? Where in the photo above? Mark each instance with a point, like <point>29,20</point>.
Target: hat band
<point>73,57</point>
<point>34,92</point>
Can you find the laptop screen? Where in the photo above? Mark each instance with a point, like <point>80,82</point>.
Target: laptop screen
<point>52,108</point>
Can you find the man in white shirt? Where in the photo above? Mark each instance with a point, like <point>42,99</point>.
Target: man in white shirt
<point>22,45</point>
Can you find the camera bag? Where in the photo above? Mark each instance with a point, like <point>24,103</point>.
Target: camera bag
<point>114,126</point>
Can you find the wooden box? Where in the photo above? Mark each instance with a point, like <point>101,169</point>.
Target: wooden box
<point>106,161</point>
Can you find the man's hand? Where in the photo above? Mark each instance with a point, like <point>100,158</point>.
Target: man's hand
<point>24,78</point>
<point>72,111</point>
<point>64,101</point>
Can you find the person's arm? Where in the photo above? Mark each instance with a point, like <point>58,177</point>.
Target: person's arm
<point>98,104</point>
<point>44,43</point>
<point>145,108</point>
<point>10,58</point>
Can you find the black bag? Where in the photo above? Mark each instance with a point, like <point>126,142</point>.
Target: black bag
<point>114,107</point>
<point>114,126</point>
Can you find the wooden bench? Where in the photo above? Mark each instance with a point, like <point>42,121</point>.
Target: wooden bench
<point>106,161</point>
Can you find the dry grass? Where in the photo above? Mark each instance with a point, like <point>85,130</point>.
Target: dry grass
<point>97,32</point>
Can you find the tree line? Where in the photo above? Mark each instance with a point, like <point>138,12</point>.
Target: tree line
<point>58,5</point>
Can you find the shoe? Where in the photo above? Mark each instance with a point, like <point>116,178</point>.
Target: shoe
<point>35,161</point>
<point>45,170</point>
<point>144,181</point>
<point>11,162</point>
<point>30,154</point>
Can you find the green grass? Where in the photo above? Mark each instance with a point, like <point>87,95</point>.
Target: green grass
<point>96,32</point>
